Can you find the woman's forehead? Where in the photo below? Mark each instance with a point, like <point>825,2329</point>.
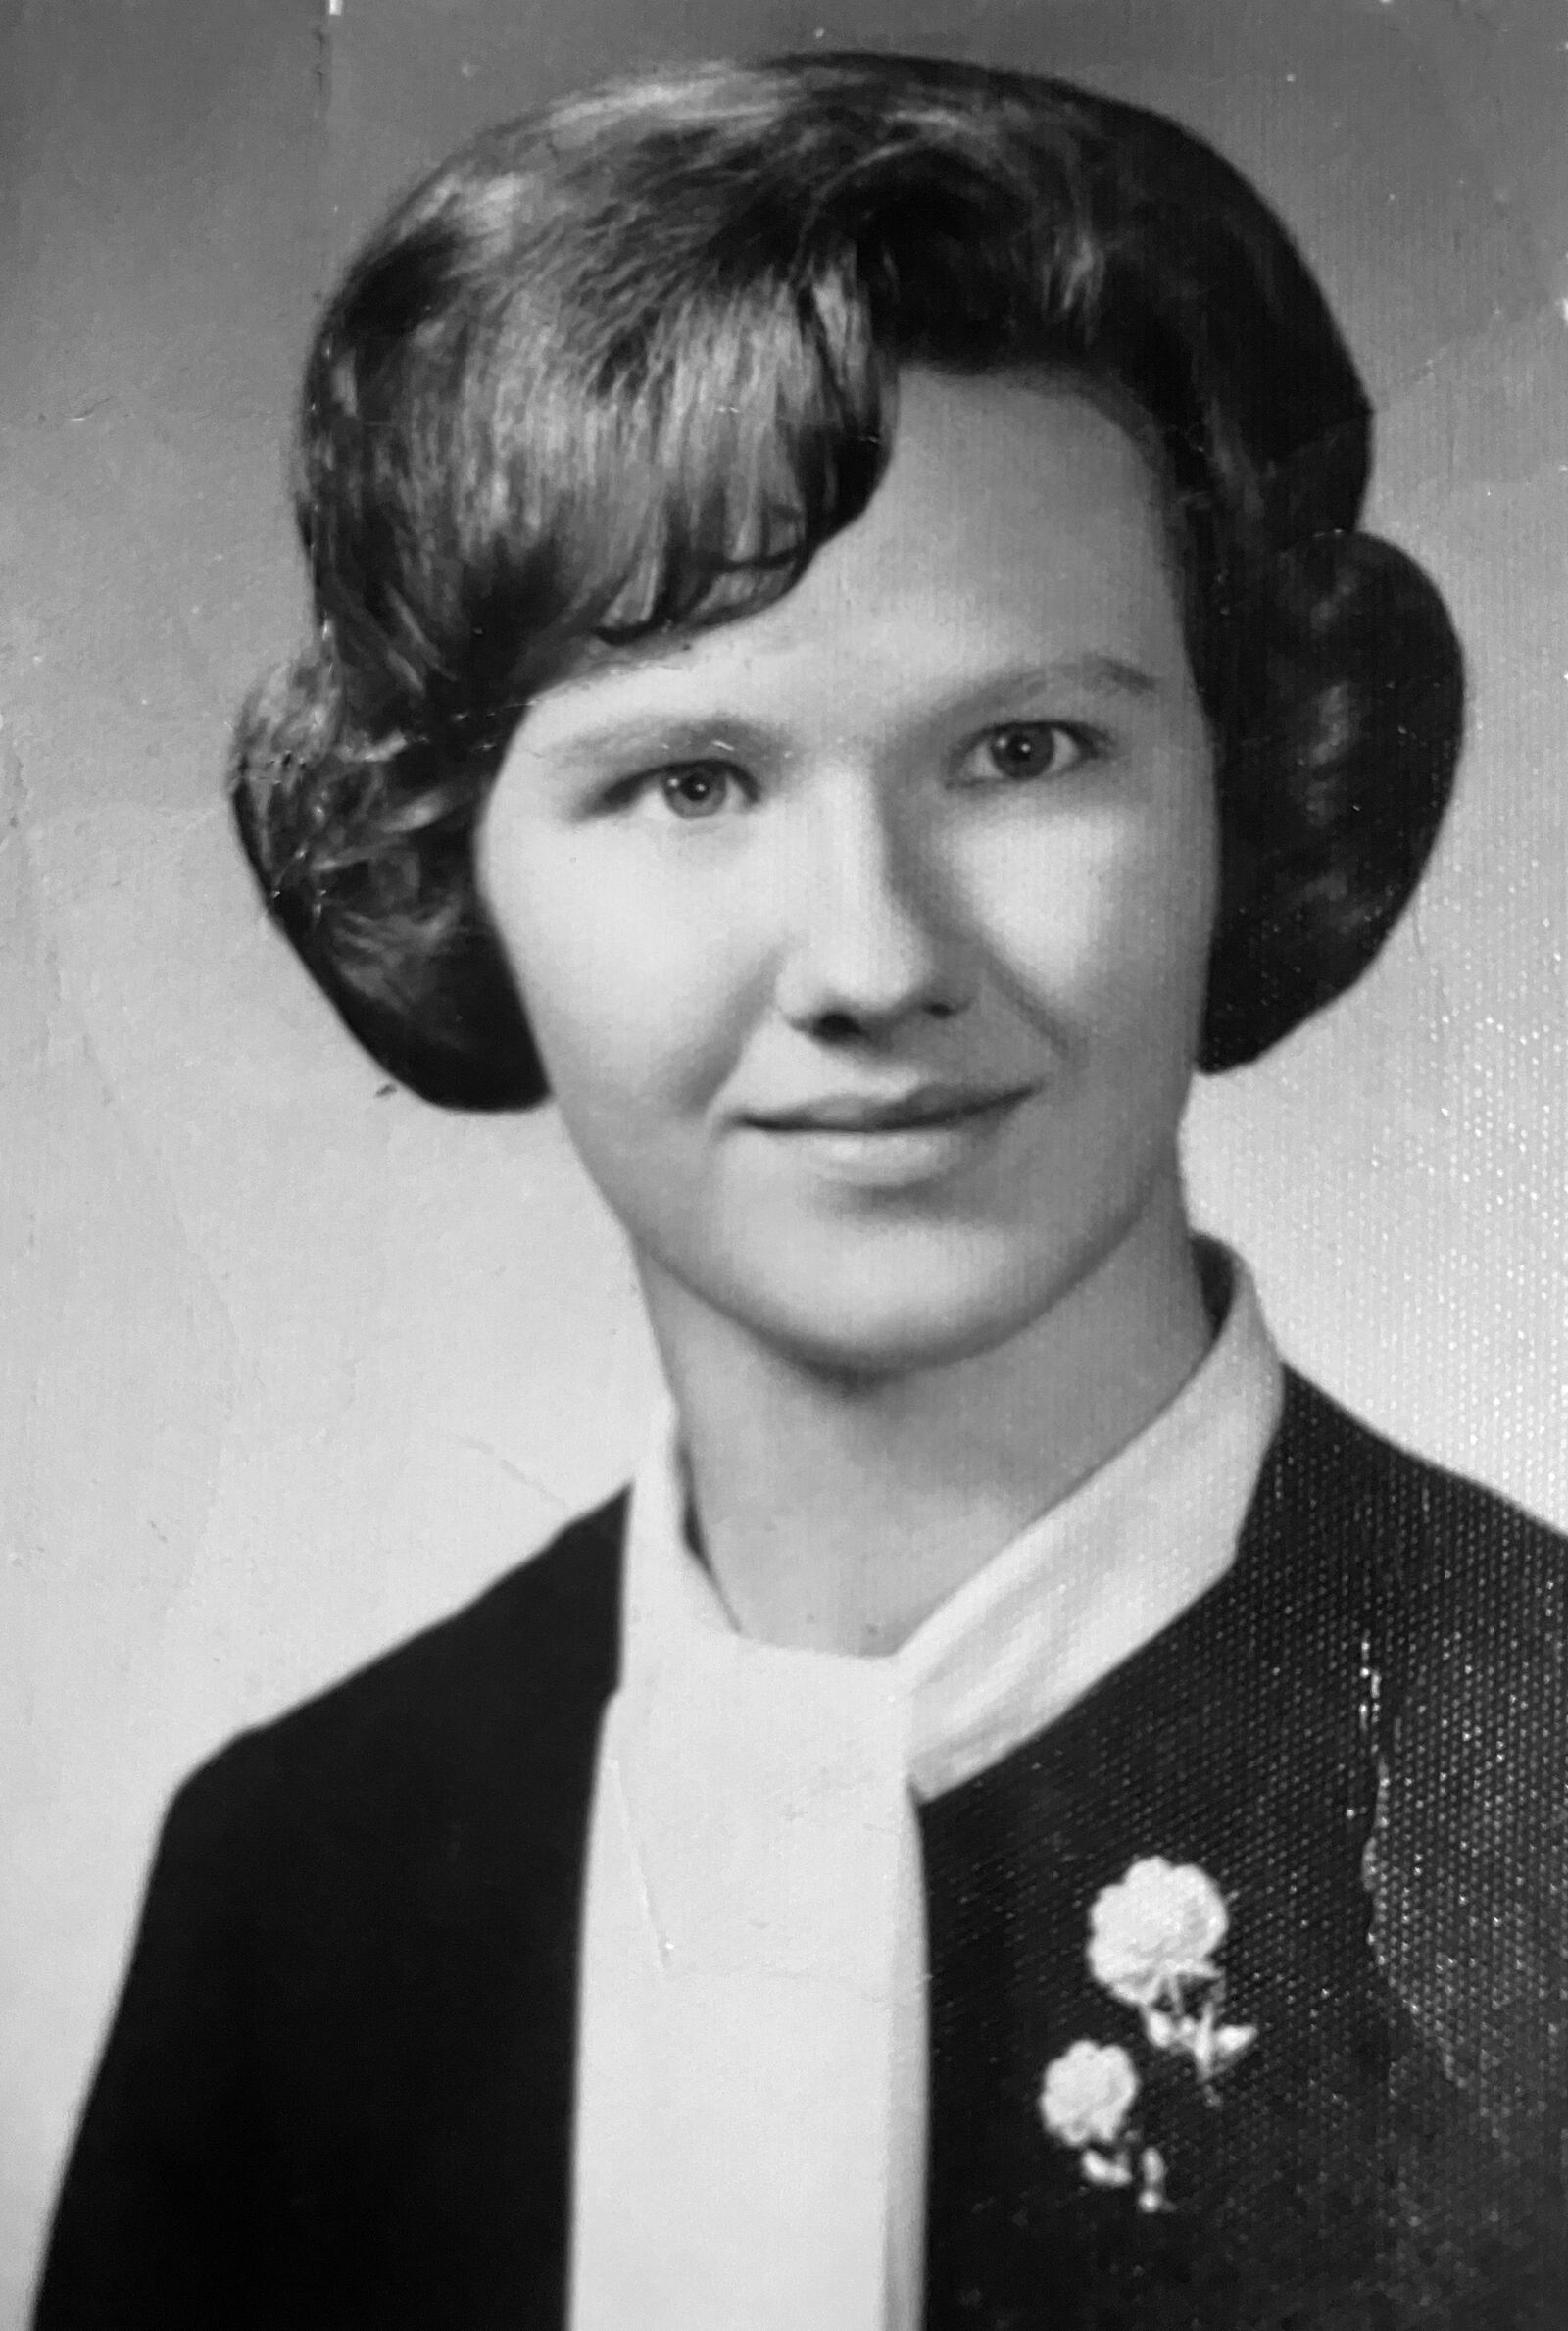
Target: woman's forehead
<point>1019,528</point>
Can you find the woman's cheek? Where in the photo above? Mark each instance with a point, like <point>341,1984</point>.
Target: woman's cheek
<point>1158,906</point>
<point>642,1015</point>
<point>1086,929</point>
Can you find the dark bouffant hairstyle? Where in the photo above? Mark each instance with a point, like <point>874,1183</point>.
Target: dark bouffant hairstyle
<point>625,365</point>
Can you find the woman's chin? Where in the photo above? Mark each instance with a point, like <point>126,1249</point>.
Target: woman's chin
<point>893,1327</point>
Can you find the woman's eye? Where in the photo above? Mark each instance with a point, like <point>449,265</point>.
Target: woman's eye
<point>696,789</point>
<point>1026,749</point>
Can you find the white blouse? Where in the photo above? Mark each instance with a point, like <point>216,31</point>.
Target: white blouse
<point>750,2143</point>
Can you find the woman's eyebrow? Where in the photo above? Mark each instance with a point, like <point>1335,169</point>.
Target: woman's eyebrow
<point>648,733</point>
<point>1097,674</point>
<point>646,728</point>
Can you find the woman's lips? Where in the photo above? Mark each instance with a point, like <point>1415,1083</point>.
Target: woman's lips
<point>892,1144</point>
<point>865,1113</point>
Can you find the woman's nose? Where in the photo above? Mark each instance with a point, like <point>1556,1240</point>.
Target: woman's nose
<point>872,931</point>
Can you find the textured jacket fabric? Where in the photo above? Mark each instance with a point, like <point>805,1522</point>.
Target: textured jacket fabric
<point>339,2088</point>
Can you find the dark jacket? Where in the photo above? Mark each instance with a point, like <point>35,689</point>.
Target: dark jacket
<point>338,2089</point>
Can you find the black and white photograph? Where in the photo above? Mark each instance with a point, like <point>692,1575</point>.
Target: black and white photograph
<point>784,1251</point>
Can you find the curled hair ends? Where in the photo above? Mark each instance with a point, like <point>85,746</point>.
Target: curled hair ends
<point>369,876</point>
<point>1334,791</point>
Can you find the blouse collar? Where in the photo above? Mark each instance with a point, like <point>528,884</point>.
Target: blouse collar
<point>1055,1611</point>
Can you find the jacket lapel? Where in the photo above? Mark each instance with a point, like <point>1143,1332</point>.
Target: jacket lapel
<point>1241,2184</point>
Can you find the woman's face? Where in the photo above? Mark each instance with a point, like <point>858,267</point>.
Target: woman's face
<point>864,937</point>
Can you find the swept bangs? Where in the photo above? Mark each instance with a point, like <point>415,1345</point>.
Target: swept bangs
<point>628,369</point>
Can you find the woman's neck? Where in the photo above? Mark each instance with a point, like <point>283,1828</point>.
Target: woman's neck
<point>837,1513</point>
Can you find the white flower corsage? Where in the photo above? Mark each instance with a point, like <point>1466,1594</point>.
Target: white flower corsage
<point>1152,1941</point>
<point>1086,2099</point>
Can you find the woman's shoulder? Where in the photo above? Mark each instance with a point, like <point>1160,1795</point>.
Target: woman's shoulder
<point>358,1913</point>
<point>1449,1553</point>
<point>508,1684</point>
<point>1465,1701</point>
<point>1452,1603</point>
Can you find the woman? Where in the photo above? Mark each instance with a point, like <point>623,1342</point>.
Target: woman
<point>847,657</point>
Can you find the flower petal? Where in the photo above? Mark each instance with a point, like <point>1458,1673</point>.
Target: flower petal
<point>1102,2168</point>
<point>1230,2042</point>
